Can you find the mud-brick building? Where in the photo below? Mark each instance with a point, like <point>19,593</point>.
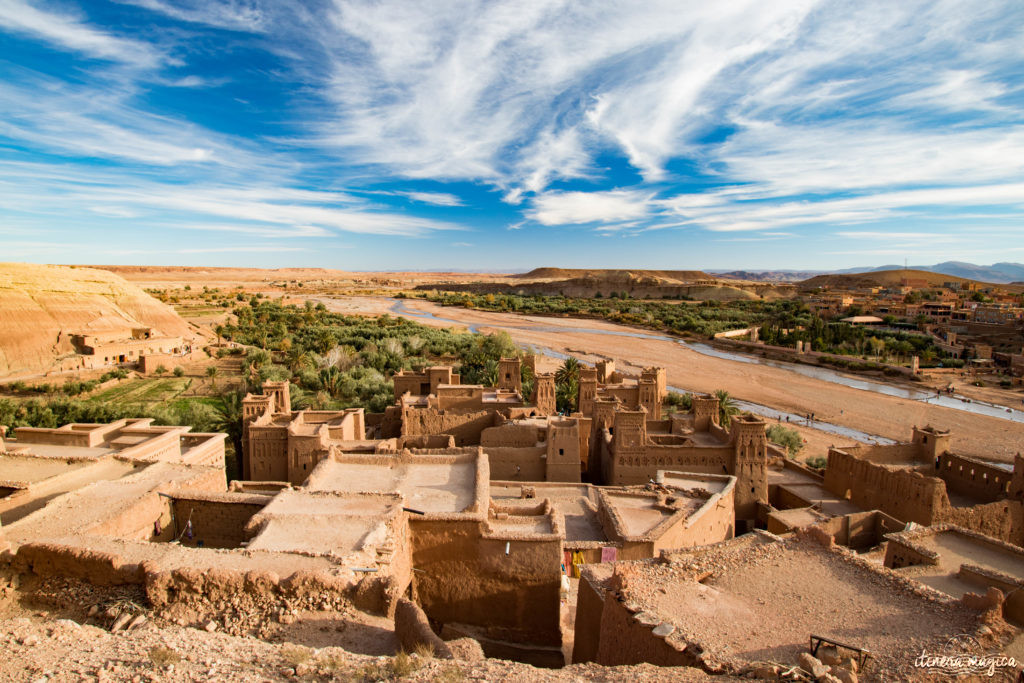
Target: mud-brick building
<point>279,445</point>
<point>631,449</point>
<point>125,346</point>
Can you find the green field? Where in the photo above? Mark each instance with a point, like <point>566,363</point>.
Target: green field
<point>143,391</point>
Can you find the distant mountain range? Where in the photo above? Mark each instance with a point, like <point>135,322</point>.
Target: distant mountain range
<point>1001,273</point>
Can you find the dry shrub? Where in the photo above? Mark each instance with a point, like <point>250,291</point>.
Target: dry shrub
<point>402,664</point>
<point>424,650</point>
<point>163,656</point>
<point>293,654</point>
<point>450,674</point>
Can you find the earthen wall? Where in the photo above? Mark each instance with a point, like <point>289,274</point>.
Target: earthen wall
<point>906,495</point>
<point>218,520</point>
<point>464,578</point>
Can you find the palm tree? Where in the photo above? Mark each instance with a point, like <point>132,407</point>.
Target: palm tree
<point>211,372</point>
<point>570,370</point>
<point>726,408</point>
<point>299,359</point>
<point>228,419</point>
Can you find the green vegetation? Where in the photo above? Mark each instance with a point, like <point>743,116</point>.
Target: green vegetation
<point>341,361</point>
<point>882,345</point>
<point>786,437</point>
<point>567,385</point>
<point>818,463</point>
<point>703,319</point>
<point>783,323</point>
<point>726,408</point>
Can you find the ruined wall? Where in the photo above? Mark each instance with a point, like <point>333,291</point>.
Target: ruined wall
<point>969,477</point>
<point>1003,519</point>
<point>906,495</point>
<point>95,567</point>
<point>465,578</point>
<point>140,520</point>
<point>714,522</point>
<point>890,454</point>
<point>625,639</point>
<point>218,520</point>
<point>413,630</point>
<point>862,530</point>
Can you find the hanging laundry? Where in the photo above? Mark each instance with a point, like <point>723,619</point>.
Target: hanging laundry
<point>188,529</point>
<point>577,561</point>
<point>609,554</point>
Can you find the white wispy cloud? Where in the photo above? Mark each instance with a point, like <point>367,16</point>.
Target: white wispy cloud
<point>237,15</point>
<point>562,208</point>
<point>435,198</point>
<point>255,209</point>
<point>72,33</point>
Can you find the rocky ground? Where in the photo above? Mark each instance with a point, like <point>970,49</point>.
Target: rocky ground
<point>68,631</point>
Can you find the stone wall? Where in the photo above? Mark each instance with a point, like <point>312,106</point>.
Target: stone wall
<point>626,637</point>
<point>1003,519</point>
<point>413,630</point>
<point>589,608</point>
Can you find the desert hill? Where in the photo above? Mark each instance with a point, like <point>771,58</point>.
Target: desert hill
<point>40,307</point>
<point>616,274</point>
<point>884,278</point>
<point>638,284</point>
<point>1001,273</point>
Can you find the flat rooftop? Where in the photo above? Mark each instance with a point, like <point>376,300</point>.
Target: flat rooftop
<point>29,470</point>
<point>427,484</point>
<point>58,452</point>
<point>324,524</point>
<point>689,482</point>
<point>954,549</point>
<point>87,503</point>
<point>577,503</point>
<point>761,600</point>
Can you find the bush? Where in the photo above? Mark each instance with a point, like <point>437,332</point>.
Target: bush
<point>786,437</point>
<point>179,371</point>
<point>818,463</point>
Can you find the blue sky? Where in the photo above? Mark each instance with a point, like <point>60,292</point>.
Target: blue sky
<point>507,135</point>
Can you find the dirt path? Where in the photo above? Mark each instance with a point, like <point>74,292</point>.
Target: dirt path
<point>976,435</point>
